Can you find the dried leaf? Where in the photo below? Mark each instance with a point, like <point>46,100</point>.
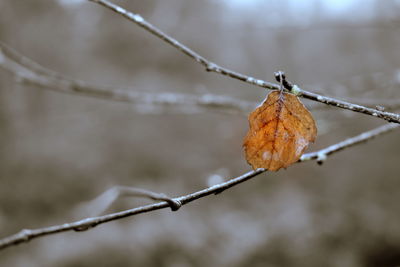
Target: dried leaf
<point>280,130</point>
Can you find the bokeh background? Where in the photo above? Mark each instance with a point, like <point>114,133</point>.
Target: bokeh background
<point>58,151</point>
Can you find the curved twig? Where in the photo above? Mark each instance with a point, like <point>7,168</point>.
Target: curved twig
<point>211,66</point>
<point>31,73</point>
<point>322,154</point>
<point>85,224</point>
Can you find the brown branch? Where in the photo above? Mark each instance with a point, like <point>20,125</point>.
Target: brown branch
<point>211,66</point>
<point>85,224</point>
<point>31,73</point>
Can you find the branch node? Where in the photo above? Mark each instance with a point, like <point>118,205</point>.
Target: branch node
<point>212,67</point>
<point>137,18</point>
<point>25,234</point>
<point>286,84</point>
<point>321,158</point>
<point>174,204</point>
<point>219,191</point>
<point>296,90</point>
<point>380,108</point>
<point>83,228</point>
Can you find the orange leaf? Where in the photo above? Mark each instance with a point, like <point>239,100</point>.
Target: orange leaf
<point>280,130</point>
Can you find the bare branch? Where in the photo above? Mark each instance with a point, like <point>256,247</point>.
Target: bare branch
<point>322,154</point>
<point>379,104</point>
<point>31,73</point>
<point>27,234</point>
<point>85,224</point>
<point>211,66</point>
<point>102,202</point>
<point>14,56</point>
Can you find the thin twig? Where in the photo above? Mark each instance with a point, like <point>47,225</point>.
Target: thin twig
<point>103,202</point>
<point>211,66</point>
<point>391,104</point>
<point>31,73</point>
<point>322,154</point>
<point>27,234</point>
<point>85,224</point>
<point>13,55</point>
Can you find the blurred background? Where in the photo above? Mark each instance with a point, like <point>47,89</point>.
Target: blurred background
<point>58,151</point>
